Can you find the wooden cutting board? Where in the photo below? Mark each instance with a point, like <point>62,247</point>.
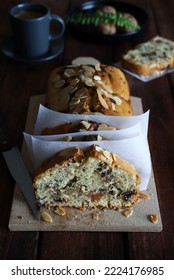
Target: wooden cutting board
<point>21,218</point>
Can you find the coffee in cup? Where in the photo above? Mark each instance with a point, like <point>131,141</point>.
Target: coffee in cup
<point>30,24</point>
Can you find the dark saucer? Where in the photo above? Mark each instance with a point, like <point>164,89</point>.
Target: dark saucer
<point>56,48</point>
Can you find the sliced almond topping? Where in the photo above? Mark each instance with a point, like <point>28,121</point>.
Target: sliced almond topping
<point>105,87</point>
<point>97,78</point>
<point>107,154</point>
<point>117,100</point>
<point>86,124</point>
<point>77,109</point>
<point>97,67</point>
<point>69,72</point>
<point>59,83</point>
<point>74,101</point>
<point>82,92</point>
<point>75,81</point>
<point>101,99</point>
<point>103,126</point>
<point>153,218</point>
<point>46,217</point>
<point>88,82</point>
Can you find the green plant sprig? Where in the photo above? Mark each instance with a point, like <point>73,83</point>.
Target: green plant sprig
<point>99,17</point>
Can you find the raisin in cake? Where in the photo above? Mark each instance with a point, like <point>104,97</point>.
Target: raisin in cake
<point>89,89</point>
<point>94,178</point>
<point>150,58</point>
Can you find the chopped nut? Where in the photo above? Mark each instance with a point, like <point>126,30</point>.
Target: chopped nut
<point>46,217</point>
<point>60,211</point>
<point>96,216</point>
<point>88,82</point>
<point>105,127</point>
<point>81,93</point>
<point>97,78</point>
<point>143,195</point>
<point>75,81</point>
<point>128,213</point>
<point>69,72</point>
<point>153,218</point>
<point>101,99</point>
<point>86,124</point>
<point>97,67</point>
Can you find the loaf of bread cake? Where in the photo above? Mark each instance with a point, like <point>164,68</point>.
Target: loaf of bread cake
<point>77,127</point>
<point>86,179</point>
<point>89,89</point>
<point>150,58</point>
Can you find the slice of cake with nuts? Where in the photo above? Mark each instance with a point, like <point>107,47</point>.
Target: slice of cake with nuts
<point>151,57</point>
<point>86,179</point>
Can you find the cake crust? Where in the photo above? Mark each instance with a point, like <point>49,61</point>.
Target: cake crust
<point>89,89</point>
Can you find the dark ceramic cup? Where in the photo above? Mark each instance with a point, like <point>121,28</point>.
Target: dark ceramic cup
<point>31,29</point>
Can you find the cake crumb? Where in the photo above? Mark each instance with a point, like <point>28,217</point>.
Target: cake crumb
<point>128,213</point>
<point>153,218</point>
<point>19,217</point>
<point>60,211</point>
<point>143,195</point>
<point>96,216</point>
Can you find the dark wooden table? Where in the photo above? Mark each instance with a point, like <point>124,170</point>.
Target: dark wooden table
<point>20,81</point>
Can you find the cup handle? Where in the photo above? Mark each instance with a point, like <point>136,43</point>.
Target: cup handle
<point>62,25</point>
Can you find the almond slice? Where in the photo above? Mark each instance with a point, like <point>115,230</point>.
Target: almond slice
<point>101,99</point>
<point>46,217</point>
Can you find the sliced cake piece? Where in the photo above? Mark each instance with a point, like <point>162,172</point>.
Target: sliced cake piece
<point>90,179</point>
<point>151,57</point>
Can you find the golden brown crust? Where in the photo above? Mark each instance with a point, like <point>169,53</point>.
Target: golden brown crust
<point>59,158</point>
<point>58,129</point>
<point>146,69</point>
<point>75,88</point>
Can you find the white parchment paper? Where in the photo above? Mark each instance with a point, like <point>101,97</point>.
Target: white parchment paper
<point>50,118</point>
<point>135,150</point>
